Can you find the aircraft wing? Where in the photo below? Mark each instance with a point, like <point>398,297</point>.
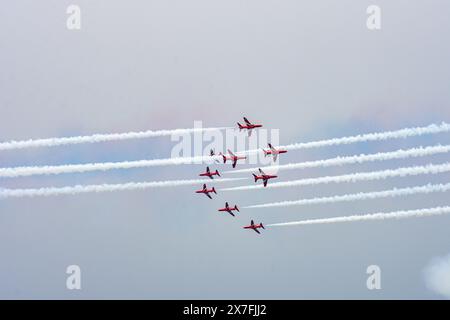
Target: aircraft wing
<point>262,172</point>
<point>265,182</point>
<point>231,153</point>
<point>249,132</point>
<point>275,156</point>
<point>272,148</point>
<point>208,195</point>
<point>211,177</point>
<point>234,162</point>
<point>230,212</point>
<point>246,121</point>
<point>256,230</point>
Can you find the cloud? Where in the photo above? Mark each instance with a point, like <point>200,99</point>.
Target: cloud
<point>437,275</point>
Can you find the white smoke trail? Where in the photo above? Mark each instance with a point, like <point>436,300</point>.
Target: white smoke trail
<point>362,158</point>
<point>72,190</point>
<point>102,166</point>
<point>105,166</point>
<point>79,168</point>
<point>426,189</point>
<point>52,142</point>
<point>354,177</point>
<point>380,136</point>
<point>367,217</point>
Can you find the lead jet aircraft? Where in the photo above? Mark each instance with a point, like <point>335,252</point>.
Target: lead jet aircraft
<point>249,126</point>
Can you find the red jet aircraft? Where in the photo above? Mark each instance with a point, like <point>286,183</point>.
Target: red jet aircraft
<point>206,191</point>
<point>212,153</point>
<point>254,226</point>
<point>209,174</point>
<point>249,126</point>
<point>274,152</point>
<point>231,156</point>
<point>229,209</point>
<point>264,177</point>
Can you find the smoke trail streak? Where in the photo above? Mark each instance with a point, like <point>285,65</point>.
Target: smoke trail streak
<point>102,166</point>
<point>368,217</point>
<point>380,136</point>
<point>72,190</point>
<point>354,177</point>
<point>105,166</point>
<point>362,158</point>
<point>52,142</point>
<point>392,193</point>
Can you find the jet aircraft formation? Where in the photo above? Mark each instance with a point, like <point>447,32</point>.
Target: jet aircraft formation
<point>233,159</point>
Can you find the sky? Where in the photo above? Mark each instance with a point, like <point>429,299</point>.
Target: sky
<point>311,69</point>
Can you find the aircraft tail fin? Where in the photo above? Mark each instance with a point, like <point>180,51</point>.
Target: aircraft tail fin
<point>255,176</point>
<point>240,126</point>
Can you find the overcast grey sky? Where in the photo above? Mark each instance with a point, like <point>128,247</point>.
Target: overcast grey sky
<point>310,68</point>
